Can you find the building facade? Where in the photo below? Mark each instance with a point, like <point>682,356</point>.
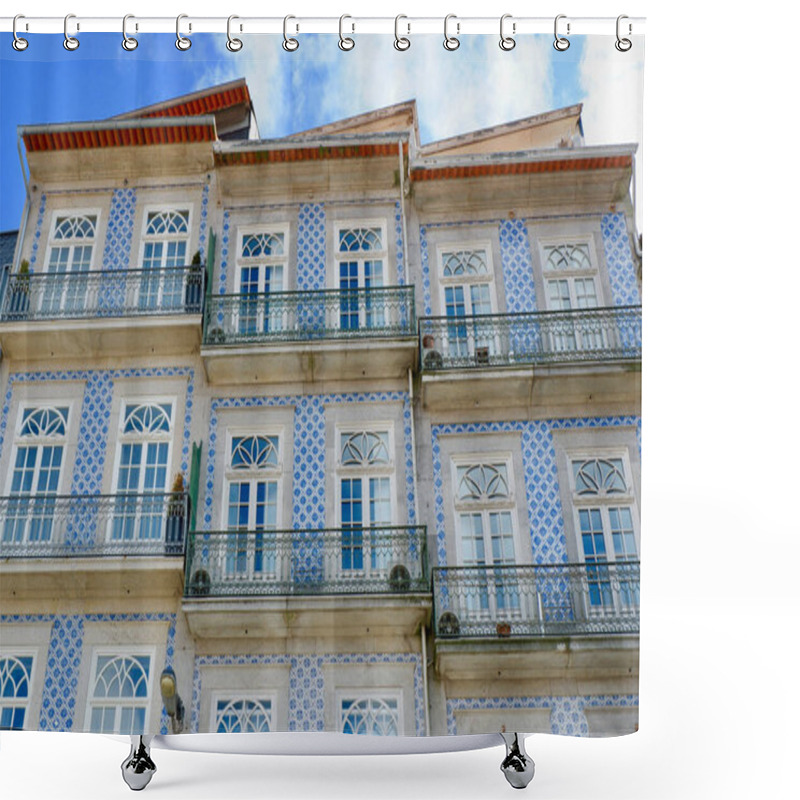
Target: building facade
<point>342,428</point>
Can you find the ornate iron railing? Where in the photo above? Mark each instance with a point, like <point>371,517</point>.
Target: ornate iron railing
<point>104,293</point>
<point>542,337</point>
<point>41,526</point>
<point>307,562</point>
<point>309,316</point>
<point>538,600</point>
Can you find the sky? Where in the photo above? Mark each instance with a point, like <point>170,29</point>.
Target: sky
<point>476,86</point>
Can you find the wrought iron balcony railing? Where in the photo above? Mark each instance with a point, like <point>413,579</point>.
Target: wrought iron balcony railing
<point>307,562</point>
<point>541,337</point>
<point>41,526</point>
<point>537,600</point>
<point>103,293</point>
<point>385,312</point>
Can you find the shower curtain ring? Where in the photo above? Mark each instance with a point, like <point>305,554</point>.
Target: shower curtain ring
<point>507,42</point>
<point>345,42</point>
<point>561,43</point>
<point>181,42</point>
<point>451,42</point>
<point>401,42</point>
<point>234,45</point>
<point>623,45</point>
<point>19,44</point>
<point>70,42</point>
<point>128,42</point>
<point>289,44</point>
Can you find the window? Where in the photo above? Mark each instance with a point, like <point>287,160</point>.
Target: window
<point>242,715</point>
<point>365,498</point>
<point>253,481</point>
<point>15,690</point>
<point>370,716</point>
<point>484,508</point>
<point>604,508</point>
<point>165,246</point>
<point>571,285</point>
<point>71,245</point>
<point>142,468</point>
<point>261,268</point>
<point>119,693</point>
<point>360,265</point>
<point>35,475</point>
<point>468,290</point>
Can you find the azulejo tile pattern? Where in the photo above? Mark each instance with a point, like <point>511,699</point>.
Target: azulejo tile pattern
<point>223,258</point>
<point>311,247</point>
<point>65,654</point>
<point>425,267</point>
<point>119,231</point>
<point>621,271</point>
<point>308,437</point>
<point>545,514</point>
<point>307,683</point>
<point>567,716</point>
<point>201,237</point>
<point>515,253</point>
<point>93,431</point>
<point>37,235</point>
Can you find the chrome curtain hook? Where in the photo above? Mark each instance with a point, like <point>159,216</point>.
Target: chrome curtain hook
<point>70,42</point>
<point>181,42</point>
<point>623,45</point>
<point>401,42</point>
<point>451,42</point>
<point>289,44</point>
<point>507,42</point>
<point>345,42</point>
<point>561,43</point>
<point>128,42</point>
<point>19,44</point>
<point>234,45</point>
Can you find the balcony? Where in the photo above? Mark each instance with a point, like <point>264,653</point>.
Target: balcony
<point>307,582</point>
<point>62,546</point>
<point>290,336</point>
<point>543,358</point>
<point>544,617</point>
<point>102,313</point>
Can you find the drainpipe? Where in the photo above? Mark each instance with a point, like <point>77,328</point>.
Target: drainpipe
<point>401,172</point>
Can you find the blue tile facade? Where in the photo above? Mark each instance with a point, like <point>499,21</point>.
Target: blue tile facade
<point>541,478</point>
<point>306,699</point>
<point>567,716</point>
<point>619,259</point>
<point>119,230</point>
<point>398,244</point>
<point>65,654</point>
<point>311,247</point>
<point>37,234</point>
<point>515,253</point>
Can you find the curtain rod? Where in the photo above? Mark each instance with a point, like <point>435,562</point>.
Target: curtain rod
<point>405,25</point>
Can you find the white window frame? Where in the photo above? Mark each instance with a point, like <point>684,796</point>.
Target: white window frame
<point>156,208</point>
<point>39,442</point>
<point>251,261</point>
<point>13,702</point>
<point>604,502</point>
<point>335,321</point>
<point>127,438</point>
<point>479,343</point>
<point>61,213</point>
<point>356,695</point>
<point>116,652</point>
<point>364,473</point>
<point>233,696</point>
<point>570,275</point>
<point>269,474</point>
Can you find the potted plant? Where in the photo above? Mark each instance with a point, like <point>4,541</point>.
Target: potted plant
<point>20,292</point>
<point>176,517</point>
<point>194,285</point>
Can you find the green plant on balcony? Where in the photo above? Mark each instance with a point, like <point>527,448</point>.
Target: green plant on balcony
<point>20,291</point>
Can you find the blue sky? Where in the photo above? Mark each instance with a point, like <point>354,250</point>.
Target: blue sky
<point>476,86</point>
